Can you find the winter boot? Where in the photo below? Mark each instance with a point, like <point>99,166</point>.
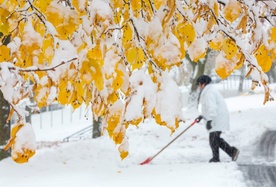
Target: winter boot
<point>235,155</point>
<point>214,160</point>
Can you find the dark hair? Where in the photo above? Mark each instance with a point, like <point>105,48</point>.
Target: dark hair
<point>203,79</point>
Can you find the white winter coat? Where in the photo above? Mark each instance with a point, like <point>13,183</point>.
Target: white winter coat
<point>213,107</point>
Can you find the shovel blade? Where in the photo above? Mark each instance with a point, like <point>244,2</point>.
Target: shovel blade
<point>146,161</point>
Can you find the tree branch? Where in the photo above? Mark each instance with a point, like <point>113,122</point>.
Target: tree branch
<point>220,2</point>
<point>267,19</point>
<point>135,30</point>
<point>38,69</point>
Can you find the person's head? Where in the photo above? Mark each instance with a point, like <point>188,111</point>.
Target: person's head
<point>203,80</point>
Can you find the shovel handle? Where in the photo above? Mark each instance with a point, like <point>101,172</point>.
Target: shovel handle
<point>151,158</point>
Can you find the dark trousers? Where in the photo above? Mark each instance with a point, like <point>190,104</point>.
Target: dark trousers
<point>217,142</point>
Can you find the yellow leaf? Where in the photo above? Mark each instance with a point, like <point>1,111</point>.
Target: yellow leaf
<point>240,61</point>
<point>232,10</point>
<point>148,9</point>
<point>42,91</point>
<point>136,57</point>
<point>96,62</point>
<point>263,58</point>
<point>199,56</point>
<point>98,108</point>
<point>209,25</point>
<point>136,122</point>
<point>176,123</point>
<point>4,53</point>
<point>159,3</point>
<point>78,85</point>
<point>182,50</point>
<point>197,50</point>
<point>127,35</point>
<point>188,32</point>
<point>223,73</point>
<point>98,77</point>
<point>150,70</point>
<point>140,59</point>
<point>119,135</point>
<point>131,55</point>
<point>87,95</point>
<point>157,118</point>
<point>229,48</point>
<point>273,34</point>
<point>14,130</point>
<point>216,8</point>
<point>64,94</point>
<point>123,154</point>
<point>65,20</point>
<point>26,59</point>
<point>10,114</point>
<point>86,72</point>
<point>96,53</point>
<point>117,16</point>
<point>123,149</point>
<point>47,50</point>
<point>118,81</point>
<point>136,7</point>
<point>180,38</point>
<point>12,4</point>
<point>77,102</point>
<point>41,74</point>
<point>76,99</point>
<point>224,67</point>
<point>4,22</point>
<point>112,123</point>
<point>39,27</point>
<point>117,3</point>
<point>242,24</point>
<point>126,11</point>
<point>112,97</point>
<point>22,155</point>
<point>80,5</point>
<point>216,45</point>
<point>42,5</point>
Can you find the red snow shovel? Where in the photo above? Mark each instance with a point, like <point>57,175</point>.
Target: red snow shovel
<point>151,158</point>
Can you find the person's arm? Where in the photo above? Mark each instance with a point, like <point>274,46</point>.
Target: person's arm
<point>211,106</point>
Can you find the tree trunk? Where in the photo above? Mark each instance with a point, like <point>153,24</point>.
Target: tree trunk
<point>271,73</point>
<point>97,128</point>
<point>28,117</point>
<point>4,126</point>
<point>198,69</point>
<point>199,72</point>
<point>4,113</point>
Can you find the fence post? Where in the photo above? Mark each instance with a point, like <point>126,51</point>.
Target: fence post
<point>62,116</point>
<point>51,118</point>
<point>40,119</point>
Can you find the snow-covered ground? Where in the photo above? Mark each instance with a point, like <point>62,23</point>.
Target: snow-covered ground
<point>96,162</point>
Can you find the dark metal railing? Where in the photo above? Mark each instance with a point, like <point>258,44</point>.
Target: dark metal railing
<point>82,134</point>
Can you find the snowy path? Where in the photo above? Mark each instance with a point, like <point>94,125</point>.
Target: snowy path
<point>263,171</point>
<point>97,163</point>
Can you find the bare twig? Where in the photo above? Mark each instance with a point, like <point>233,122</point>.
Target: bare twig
<point>135,30</point>
<point>267,19</point>
<point>152,8</point>
<point>220,2</point>
<point>46,69</point>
